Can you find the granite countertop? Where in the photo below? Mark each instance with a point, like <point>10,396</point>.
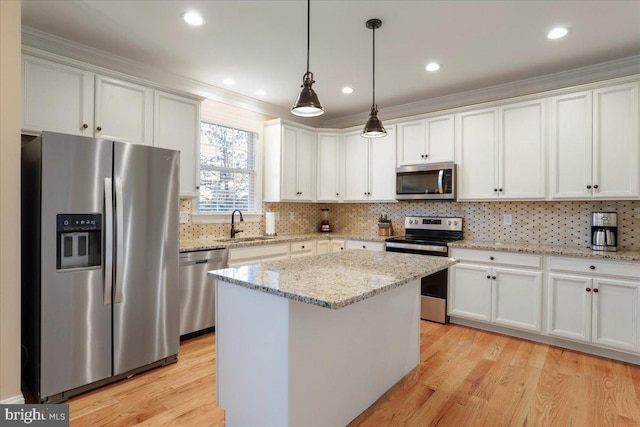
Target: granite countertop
<point>238,242</point>
<point>334,280</point>
<point>574,251</point>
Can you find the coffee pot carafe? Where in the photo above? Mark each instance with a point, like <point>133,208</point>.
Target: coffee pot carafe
<point>604,231</point>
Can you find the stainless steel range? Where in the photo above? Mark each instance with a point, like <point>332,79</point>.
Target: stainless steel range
<point>429,236</point>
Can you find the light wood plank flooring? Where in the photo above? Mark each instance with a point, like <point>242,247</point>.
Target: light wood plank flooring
<point>466,377</point>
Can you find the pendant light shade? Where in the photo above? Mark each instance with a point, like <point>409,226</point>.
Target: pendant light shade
<point>373,128</point>
<point>307,104</point>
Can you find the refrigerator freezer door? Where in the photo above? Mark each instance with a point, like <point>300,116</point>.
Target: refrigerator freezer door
<point>75,338</point>
<point>146,319</point>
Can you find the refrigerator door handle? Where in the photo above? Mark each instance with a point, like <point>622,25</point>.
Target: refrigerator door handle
<point>119,240</point>
<point>108,241</point>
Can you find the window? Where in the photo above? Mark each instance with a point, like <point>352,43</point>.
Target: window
<point>227,169</point>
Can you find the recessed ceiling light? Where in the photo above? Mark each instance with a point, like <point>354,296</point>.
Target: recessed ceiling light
<point>432,66</point>
<point>229,81</point>
<point>347,90</point>
<point>193,18</point>
<point>261,92</point>
<point>557,33</point>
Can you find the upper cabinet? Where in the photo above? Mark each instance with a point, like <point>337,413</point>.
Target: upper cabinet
<point>594,144</point>
<point>369,173</point>
<point>501,152</point>
<point>56,98</point>
<point>177,127</point>
<point>426,141</point>
<point>65,99</point>
<point>329,170</point>
<point>123,111</point>
<point>289,162</point>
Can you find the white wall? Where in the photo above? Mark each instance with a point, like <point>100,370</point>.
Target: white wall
<point>10,106</point>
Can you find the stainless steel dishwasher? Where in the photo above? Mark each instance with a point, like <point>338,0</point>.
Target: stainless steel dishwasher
<point>197,294</point>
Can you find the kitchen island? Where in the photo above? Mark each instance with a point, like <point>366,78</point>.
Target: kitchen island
<point>315,341</point>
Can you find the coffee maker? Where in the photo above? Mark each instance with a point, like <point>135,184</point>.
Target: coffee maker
<point>604,231</point>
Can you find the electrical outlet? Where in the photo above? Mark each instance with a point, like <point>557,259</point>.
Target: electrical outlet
<point>184,217</point>
<point>507,219</point>
<point>292,215</point>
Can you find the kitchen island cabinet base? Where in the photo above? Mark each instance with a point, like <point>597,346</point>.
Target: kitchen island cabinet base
<point>282,362</point>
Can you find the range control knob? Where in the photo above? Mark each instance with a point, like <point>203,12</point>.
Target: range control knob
<point>448,222</point>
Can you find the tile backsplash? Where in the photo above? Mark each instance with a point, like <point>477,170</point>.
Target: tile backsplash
<point>553,223</point>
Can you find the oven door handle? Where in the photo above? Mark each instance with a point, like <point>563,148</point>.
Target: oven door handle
<point>416,247</point>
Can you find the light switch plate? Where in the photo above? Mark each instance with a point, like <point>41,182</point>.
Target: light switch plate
<point>184,217</point>
<point>507,219</point>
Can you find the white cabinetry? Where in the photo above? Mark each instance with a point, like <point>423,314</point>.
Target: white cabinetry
<point>56,98</point>
<point>323,247</point>
<point>337,245</point>
<point>595,302</point>
<point>497,287</point>
<point>594,144</point>
<point>123,111</point>
<point>289,162</point>
<point>360,244</point>
<point>302,249</point>
<point>177,127</point>
<point>426,141</point>
<point>501,152</point>
<point>370,167</point>
<point>255,254</point>
<point>329,161</point>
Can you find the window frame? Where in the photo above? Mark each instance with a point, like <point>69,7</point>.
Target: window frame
<point>246,125</point>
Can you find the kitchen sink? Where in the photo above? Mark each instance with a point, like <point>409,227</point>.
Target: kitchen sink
<point>246,239</point>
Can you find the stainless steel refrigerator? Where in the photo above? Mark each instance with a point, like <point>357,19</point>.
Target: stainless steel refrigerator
<point>100,254</point>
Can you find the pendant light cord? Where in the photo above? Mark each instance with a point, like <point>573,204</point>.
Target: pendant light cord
<point>374,66</point>
<point>308,31</point>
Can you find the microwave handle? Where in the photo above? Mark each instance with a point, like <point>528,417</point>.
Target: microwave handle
<point>440,177</point>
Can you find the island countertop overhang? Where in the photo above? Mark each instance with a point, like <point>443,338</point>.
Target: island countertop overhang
<point>334,280</point>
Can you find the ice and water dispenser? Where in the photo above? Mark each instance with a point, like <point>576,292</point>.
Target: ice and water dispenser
<point>79,241</point>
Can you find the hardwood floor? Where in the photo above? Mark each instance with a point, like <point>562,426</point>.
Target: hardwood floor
<point>466,377</point>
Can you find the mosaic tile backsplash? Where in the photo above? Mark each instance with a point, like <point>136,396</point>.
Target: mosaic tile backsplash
<point>550,223</point>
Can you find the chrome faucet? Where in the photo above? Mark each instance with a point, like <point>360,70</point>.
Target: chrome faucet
<point>233,227</point>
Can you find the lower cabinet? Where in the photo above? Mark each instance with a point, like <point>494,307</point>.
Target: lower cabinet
<point>323,247</point>
<point>253,254</point>
<point>503,295</point>
<point>361,244</point>
<point>337,245</point>
<point>302,249</point>
<point>594,309</point>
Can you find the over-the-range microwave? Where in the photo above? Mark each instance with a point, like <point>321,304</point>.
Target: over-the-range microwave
<point>436,181</point>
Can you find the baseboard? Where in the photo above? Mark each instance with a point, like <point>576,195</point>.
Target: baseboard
<point>15,400</point>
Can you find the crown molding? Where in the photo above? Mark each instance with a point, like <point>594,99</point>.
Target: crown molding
<point>564,79</point>
<point>48,46</point>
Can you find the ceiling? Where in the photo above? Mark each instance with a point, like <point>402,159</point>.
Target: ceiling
<point>262,44</point>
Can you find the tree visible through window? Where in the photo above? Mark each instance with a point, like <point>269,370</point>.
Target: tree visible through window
<point>227,169</point>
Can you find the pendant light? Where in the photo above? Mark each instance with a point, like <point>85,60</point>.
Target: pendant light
<point>307,104</point>
<point>373,128</point>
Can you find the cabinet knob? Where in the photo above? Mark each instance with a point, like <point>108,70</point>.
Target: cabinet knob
<point>588,289</point>
<point>592,267</point>
<point>491,258</point>
<point>500,189</point>
<point>595,290</point>
<point>364,247</point>
<point>84,126</point>
<point>197,187</point>
<point>422,156</point>
<point>337,194</point>
<point>588,187</point>
<point>595,186</point>
<point>341,248</point>
<point>495,190</point>
<point>494,277</point>
<point>426,156</point>
<point>302,246</point>
<point>488,277</point>
<point>99,128</point>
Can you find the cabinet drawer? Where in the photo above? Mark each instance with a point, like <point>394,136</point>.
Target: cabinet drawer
<point>372,246</point>
<point>254,254</point>
<point>497,257</point>
<point>595,267</point>
<point>299,249</point>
